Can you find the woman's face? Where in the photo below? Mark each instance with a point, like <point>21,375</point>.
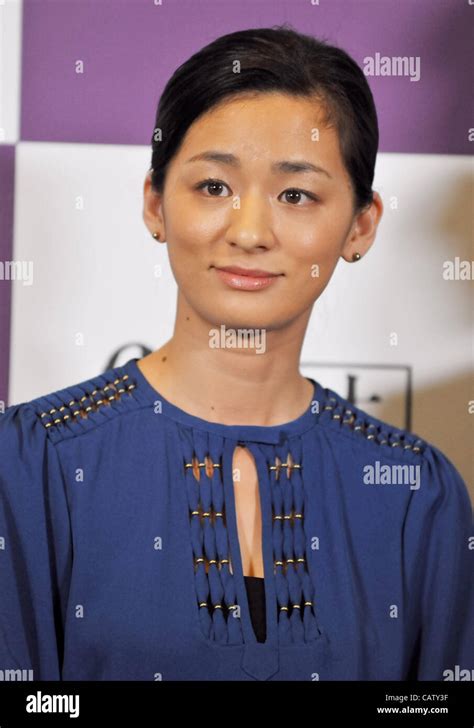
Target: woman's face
<point>248,209</point>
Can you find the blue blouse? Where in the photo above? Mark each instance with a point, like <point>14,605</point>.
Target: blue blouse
<point>119,550</point>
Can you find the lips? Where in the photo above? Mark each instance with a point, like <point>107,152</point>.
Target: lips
<point>253,272</point>
<point>246,279</point>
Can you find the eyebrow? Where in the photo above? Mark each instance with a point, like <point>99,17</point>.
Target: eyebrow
<point>282,166</point>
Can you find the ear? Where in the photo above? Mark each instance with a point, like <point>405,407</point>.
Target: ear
<point>153,209</point>
<point>363,229</point>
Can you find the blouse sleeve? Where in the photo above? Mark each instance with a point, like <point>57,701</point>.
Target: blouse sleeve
<point>438,543</point>
<point>35,548</point>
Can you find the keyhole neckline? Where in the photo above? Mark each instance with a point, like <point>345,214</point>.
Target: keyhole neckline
<point>257,433</point>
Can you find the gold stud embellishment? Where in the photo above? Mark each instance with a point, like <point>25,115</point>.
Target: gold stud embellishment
<point>78,408</point>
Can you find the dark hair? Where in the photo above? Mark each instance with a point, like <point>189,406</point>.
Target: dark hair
<point>277,59</point>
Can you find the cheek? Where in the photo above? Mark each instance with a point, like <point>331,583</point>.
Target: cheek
<point>316,257</point>
<point>192,225</point>
<point>189,260</point>
<point>187,248</point>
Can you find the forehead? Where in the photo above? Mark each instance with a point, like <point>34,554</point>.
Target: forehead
<point>264,126</point>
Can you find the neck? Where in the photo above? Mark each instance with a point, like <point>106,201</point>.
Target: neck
<point>207,370</point>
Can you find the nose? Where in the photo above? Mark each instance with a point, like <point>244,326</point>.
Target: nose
<point>250,224</point>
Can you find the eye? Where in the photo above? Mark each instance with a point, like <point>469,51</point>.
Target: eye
<point>296,194</point>
<point>214,187</point>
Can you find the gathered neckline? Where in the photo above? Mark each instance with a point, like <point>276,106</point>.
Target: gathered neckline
<point>269,433</point>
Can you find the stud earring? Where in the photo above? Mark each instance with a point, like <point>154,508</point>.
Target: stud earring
<point>156,236</point>
<point>356,257</point>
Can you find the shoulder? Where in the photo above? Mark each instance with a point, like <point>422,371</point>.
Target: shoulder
<point>343,418</point>
<point>369,438</point>
<point>73,410</point>
<point>364,445</point>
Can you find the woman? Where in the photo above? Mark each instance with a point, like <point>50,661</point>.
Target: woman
<point>203,513</point>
